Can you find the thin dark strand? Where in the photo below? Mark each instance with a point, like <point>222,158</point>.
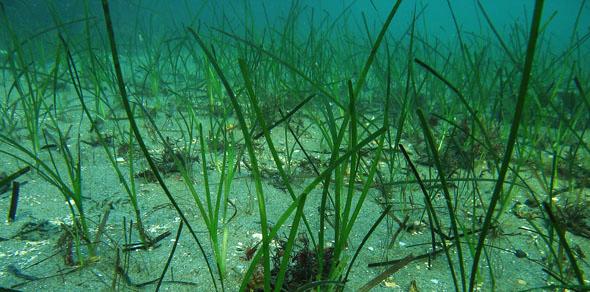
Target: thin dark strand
<point>360,247</point>
<point>397,261</point>
<point>170,256</point>
<point>472,113</point>
<point>285,117</point>
<point>497,34</point>
<point>431,212</point>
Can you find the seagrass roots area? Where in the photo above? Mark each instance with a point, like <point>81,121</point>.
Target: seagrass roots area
<point>291,152</point>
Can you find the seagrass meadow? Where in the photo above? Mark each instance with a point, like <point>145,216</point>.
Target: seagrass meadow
<point>241,145</point>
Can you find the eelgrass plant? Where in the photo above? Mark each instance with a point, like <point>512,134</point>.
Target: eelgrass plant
<point>128,184</point>
<point>347,211</point>
<point>527,70</point>
<point>214,207</point>
<point>61,169</point>
<point>69,186</point>
<point>138,136</point>
<point>499,194</point>
<point>8,117</point>
<point>31,94</point>
<point>298,203</point>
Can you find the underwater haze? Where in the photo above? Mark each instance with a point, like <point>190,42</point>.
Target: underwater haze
<point>241,145</point>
